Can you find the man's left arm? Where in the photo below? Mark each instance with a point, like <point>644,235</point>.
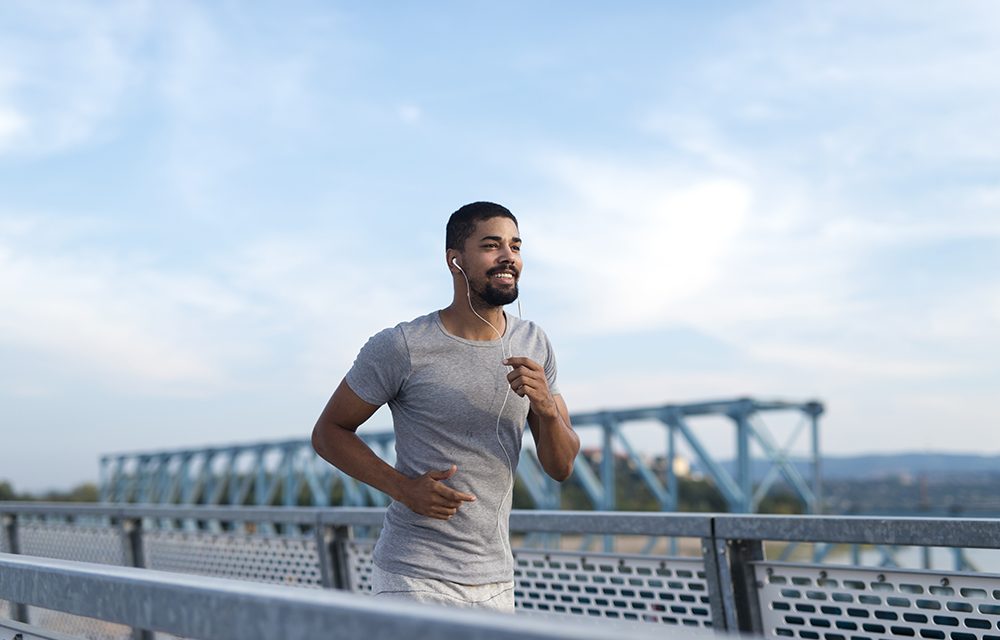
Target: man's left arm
<point>555,441</point>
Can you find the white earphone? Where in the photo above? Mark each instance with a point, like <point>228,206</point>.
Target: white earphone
<point>510,465</point>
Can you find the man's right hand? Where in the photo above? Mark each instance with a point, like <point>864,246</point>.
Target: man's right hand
<point>429,496</point>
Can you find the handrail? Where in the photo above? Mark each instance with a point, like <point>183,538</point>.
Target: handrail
<point>220,609</point>
<point>592,522</point>
<point>981,533</point>
<point>300,515</point>
<point>952,532</point>
<point>612,522</point>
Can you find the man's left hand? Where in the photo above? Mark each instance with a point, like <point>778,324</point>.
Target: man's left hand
<point>527,378</point>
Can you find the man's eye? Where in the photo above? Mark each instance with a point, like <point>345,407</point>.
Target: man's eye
<point>515,247</point>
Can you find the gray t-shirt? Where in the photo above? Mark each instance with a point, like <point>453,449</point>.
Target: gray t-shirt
<point>445,394</point>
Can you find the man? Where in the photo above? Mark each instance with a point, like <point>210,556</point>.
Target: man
<point>460,383</point>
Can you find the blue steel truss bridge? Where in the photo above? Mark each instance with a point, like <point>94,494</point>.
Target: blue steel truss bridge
<point>289,473</point>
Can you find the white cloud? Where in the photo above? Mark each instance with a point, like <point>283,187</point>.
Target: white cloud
<point>124,320</point>
<point>236,101</point>
<point>67,71</point>
<point>332,301</point>
<point>860,130</point>
<point>697,136</point>
<point>834,361</point>
<point>92,314</point>
<point>12,125</point>
<point>776,265</point>
<point>874,89</point>
<point>409,113</point>
<point>986,198</point>
<point>635,237</point>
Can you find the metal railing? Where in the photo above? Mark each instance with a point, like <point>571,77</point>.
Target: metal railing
<point>219,609</point>
<point>728,573</point>
<point>779,598</point>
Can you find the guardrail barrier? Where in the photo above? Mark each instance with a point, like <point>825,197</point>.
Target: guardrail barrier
<point>766,575</point>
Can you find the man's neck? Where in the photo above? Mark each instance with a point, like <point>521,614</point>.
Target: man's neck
<point>459,320</point>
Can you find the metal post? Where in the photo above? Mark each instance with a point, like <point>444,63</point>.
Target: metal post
<point>608,463</point>
<point>104,477</point>
<point>744,471</point>
<point>817,471</point>
<point>260,487</point>
<point>340,567</point>
<point>720,585</point>
<point>326,551</point>
<point>19,610</point>
<point>118,479</point>
<point>142,479</point>
<point>673,487</point>
<point>673,484</point>
<point>608,472</point>
<point>290,485</point>
<point>742,555</point>
<point>131,529</point>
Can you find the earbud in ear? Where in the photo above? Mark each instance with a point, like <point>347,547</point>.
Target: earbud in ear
<point>454,261</point>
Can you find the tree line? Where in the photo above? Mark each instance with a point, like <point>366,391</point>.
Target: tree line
<point>85,492</point>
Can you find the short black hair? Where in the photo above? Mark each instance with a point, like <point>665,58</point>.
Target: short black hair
<point>463,222</point>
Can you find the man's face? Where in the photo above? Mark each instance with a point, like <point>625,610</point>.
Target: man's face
<point>492,261</point>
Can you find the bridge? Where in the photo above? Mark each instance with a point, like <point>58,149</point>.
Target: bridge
<point>268,473</point>
<point>129,571</point>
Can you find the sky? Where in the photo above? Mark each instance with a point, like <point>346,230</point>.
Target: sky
<point>207,208</point>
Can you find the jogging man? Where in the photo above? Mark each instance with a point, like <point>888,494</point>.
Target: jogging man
<point>460,383</point>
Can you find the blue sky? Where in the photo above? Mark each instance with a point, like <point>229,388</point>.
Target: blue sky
<point>206,208</point>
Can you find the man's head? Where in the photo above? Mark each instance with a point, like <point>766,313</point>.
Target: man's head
<point>483,245</point>
<point>463,222</point>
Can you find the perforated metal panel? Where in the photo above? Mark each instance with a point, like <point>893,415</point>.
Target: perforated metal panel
<point>77,626</point>
<point>10,630</point>
<point>359,564</point>
<point>280,559</point>
<point>612,586</point>
<point>82,543</point>
<point>829,603</point>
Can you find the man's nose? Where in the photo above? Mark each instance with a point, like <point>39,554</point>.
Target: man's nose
<point>507,254</point>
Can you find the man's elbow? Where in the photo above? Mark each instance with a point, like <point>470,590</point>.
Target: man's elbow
<point>328,438</point>
<point>560,472</point>
<point>324,438</point>
<point>318,442</point>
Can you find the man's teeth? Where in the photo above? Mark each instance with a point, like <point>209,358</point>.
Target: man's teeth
<point>503,275</point>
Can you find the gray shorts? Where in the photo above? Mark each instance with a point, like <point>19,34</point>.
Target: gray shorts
<point>495,596</point>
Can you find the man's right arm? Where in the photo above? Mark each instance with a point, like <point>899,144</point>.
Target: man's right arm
<point>335,440</point>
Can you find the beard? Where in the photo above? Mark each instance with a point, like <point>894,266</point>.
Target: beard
<point>495,297</point>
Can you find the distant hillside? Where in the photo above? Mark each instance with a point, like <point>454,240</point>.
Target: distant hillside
<point>871,466</point>
<point>936,464</point>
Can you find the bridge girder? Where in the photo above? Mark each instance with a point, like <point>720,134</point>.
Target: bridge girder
<point>289,472</point>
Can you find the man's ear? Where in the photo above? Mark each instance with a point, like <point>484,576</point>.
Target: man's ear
<point>454,261</point>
